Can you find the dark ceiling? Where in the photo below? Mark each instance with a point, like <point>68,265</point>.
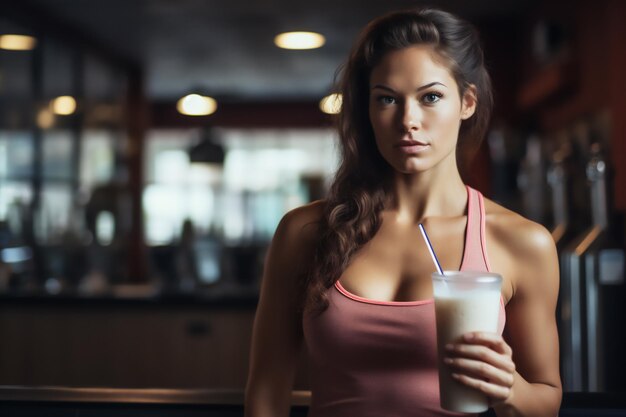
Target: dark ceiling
<point>226,46</point>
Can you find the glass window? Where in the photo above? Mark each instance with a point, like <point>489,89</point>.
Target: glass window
<point>97,159</point>
<point>55,215</point>
<point>176,189</point>
<point>265,173</point>
<point>57,154</point>
<point>15,198</point>
<point>16,154</point>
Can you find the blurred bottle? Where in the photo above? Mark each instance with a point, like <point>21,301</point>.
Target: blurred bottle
<point>531,181</point>
<point>185,259</point>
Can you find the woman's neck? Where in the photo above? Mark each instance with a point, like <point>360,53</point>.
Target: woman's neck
<point>433,193</point>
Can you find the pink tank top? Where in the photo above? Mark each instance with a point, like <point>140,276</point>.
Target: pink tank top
<point>370,358</point>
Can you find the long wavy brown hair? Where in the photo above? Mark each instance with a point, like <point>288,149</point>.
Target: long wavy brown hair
<point>361,187</point>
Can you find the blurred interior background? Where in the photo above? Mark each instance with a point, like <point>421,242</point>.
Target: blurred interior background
<point>132,235</point>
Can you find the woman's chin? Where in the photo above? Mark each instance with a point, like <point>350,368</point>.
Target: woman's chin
<point>411,167</point>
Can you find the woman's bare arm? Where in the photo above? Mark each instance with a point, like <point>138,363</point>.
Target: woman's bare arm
<point>518,371</point>
<point>531,328</point>
<point>277,334</point>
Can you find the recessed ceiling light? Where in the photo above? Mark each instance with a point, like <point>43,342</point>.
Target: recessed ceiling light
<point>299,40</point>
<point>196,105</point>
<point>17,42</point>
<point>63,105</point>
<point>331,104</point>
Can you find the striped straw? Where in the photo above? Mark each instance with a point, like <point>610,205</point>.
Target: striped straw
<point>431,250</point>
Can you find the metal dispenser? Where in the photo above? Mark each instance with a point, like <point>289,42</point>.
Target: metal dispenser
<point>592,277</point>
<point>557,179</point>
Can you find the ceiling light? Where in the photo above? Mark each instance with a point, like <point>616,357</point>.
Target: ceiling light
<point>299,40</point>
<point>196,105</point>
<point>331,104</point>
<point>17,42</point>
<point>63,105</point>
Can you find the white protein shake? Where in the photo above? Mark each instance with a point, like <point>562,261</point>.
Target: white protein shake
<point>463,303</point>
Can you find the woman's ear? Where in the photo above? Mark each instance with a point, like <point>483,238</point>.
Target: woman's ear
<point>468,102</point>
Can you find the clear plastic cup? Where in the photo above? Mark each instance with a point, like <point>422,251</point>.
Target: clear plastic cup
<point>465,301</point>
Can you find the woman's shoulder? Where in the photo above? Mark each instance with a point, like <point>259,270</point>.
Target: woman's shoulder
<point>523,238</point>
<point>303,219</point>
<point>292,248</point>
<point>524,246</point>
<point>300,226</point>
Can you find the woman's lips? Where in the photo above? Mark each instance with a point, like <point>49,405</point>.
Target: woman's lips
<point>411,147</point>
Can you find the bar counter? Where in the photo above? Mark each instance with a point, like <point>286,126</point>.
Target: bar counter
<point>133,338</point>
<point>140,296</point>
<point>51,401</point>
<point>96,402</point>
<point>128,340</point>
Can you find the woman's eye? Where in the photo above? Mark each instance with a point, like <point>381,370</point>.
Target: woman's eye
<point>431,98</point>
<point>386,100</point>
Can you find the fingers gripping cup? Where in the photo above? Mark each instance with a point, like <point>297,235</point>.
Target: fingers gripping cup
<point>465,301</point>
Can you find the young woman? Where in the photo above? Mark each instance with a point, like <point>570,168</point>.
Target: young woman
<point>350,276</point>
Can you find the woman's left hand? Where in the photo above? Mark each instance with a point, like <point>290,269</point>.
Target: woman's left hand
<point>483,361</point>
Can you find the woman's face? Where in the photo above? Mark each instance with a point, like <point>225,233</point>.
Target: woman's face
<point>415,109</point>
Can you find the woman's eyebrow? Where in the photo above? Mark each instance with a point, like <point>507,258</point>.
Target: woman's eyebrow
<point>425,86</point>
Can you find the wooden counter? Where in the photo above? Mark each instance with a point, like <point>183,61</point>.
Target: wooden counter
<point>96,402</point>
<point>99,402</point>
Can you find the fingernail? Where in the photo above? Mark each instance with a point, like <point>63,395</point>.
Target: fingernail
<point>447,360</point>
<point>449,346</point>
<point>455,375</point>
<point>469,336</point>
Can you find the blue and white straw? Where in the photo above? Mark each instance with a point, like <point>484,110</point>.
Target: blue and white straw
<point>430,249</point>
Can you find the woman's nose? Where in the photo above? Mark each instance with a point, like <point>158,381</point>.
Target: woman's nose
<point>411,117</point>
